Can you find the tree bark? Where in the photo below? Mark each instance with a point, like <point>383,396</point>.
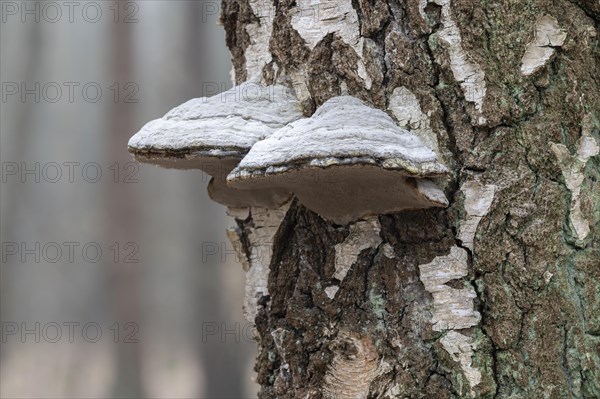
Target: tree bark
<point>497,296</point>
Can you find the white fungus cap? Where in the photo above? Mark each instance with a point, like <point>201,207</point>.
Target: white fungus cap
<point>226,125</point>
<point>212,134</point>
<point>347,161</point>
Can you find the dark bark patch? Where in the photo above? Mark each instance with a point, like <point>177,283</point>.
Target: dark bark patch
<point>373,16</point>
<point>235,16</point>
<point>331,64</point>
<point>286,45</point>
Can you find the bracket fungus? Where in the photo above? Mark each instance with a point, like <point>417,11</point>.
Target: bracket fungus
<point>213,134</point>
<point>347,161</point>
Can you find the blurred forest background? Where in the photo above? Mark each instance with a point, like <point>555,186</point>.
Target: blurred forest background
<point>184,294</point>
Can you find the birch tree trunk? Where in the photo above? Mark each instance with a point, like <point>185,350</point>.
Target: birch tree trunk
<point>497,296</point>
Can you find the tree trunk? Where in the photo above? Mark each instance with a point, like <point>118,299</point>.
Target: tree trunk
<point>497,296</point>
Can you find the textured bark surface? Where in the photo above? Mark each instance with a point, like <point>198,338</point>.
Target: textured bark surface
<point>515,309</point>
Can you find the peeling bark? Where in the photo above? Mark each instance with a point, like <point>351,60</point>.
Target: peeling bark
<point>254,246</point>
<point>572,167</point>
<point>467,73</point>
<point>452,307</point>
<point>478,200</point>
<point>548,35</point>
<point>363,235</point>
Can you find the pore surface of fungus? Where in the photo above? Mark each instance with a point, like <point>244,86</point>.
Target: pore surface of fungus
<point>212,134</point>
<point>347,161</point>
